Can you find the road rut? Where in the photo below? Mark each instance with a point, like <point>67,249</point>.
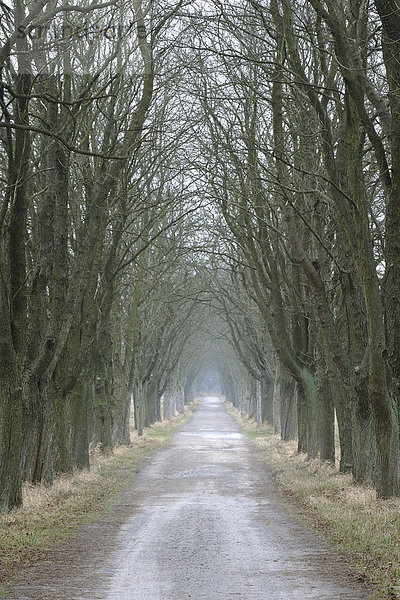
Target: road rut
<point>203,519</point>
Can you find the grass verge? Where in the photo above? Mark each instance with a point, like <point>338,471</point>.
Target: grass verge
<point>50,515</point>
<point>364,529</point>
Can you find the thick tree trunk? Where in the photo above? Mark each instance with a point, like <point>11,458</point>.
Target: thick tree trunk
<point>267,389</point>
<point>78,399</point>
<point>13,286</point>
<point>308,386</point>
<point>344,421</point>
<point>277,399</point>
<point>378,393</point>
<point>150,400</point>
<point>288,407</point>
<point>43,464</point>
<point>10,439</point>
<point>168,405</point>
<point>389,13</point>
<point>180,399</point>
<point>138,403</point>
<point>63,441</point>
<point>102,409</point>
<point>326,417</point>
<point>103,376</point>
<point>252,399</point>
<point>302,416</point>
<point>121,415</point>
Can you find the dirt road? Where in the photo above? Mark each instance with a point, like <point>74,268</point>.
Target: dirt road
<point>203,519</point>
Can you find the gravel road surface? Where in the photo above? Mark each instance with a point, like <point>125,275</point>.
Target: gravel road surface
<point>203,519</point>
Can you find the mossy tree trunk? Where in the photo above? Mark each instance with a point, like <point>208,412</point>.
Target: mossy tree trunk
<point>389,14</point>
<point>78,399</point>
<point>10,434</point>
<point>326,415</point>
<point>13,281</point>
<point>379,399</point>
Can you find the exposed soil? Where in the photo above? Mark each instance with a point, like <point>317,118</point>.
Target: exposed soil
<point>203,519</point>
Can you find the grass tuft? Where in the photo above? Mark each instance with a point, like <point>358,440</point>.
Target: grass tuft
<point>365,529</point>
<point>50,515</point>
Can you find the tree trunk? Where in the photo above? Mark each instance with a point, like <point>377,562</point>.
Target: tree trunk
<point>344,420</point>
<point>288,409</point>
<point>63,448</point>
<point>277,399</point>
<point>43,465</point>
<point>78,399</point>
<point>10,440</point>
<point>150,401</point>
<point>302,437</point>
<point>378,394</point>
<point>102,410</point>
<point>267,388</point>
<point>103,378</point>
<point>138,400</point>
<point>121,414</point>
<point>308,387</point>
<point>326,417</point>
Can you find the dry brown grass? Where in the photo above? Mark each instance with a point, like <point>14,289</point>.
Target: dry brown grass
<point>49,515</point>
<point>365,529</point>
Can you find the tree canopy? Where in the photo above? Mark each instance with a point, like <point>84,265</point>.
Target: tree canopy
<point>191,192</point>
